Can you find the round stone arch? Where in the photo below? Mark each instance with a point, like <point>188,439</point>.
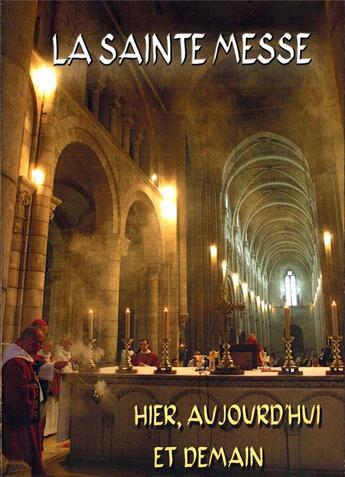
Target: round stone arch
<point>147,196</point>
<point>85,268</point>
<point>230,289</point>
<point>68,133</point>
<point>252,139</point>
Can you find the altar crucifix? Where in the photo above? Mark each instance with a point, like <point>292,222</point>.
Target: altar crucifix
<point>223,311</point>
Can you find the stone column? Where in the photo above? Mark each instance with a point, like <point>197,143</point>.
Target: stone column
<point>140,325</point>
<point>114,246</point>
<point>152,278</point>
<point>235,251</point>
<point>253,271</point>
<point>16,275</point>
<point>258,328</point>
<point>139,136</point>
<point>127,123</point>
<point>182,321</point>
<point>16,46</point>
<point>95,93</point>
<point>114,123</point>
<point>245,271</point>
<point>56,280</point>
<point>41,213</point>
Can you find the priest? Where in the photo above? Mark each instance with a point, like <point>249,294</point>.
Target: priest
<point>144,356</point>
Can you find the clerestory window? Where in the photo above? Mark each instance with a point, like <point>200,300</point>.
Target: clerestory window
<point>290,288</point>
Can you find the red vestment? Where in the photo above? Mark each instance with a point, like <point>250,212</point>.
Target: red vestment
<point>21,404</point>
<point>150,359</point>
<point>253,341</point>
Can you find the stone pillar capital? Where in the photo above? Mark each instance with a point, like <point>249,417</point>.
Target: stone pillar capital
<point>122,244</point>
<point>138,135</point>
<point>95,82</point>
<point>127,119</point>
<point>54,202</point>
<point>182,320</point>
<point>25,198</point>
<point>25,191</point>
<point>153,269</point>
<point>127,124</point>
<point>115,102</point>
<point>95,88</point>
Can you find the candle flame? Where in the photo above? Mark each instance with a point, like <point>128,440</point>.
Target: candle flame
<point>127,310</point>
<point>334,303</point>
<point>166,309</point>
<point>90,311</point>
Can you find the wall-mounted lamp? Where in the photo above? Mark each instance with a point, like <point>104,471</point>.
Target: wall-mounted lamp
<point>44,79</point>
<point>38,177</point>
<point>154,178</point>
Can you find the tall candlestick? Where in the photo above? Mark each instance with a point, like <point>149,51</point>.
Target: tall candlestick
<point>128,324</point>
<point>334,319</point>
<point>166,318</point>
<point>90,323</point>
<point>287,313</point>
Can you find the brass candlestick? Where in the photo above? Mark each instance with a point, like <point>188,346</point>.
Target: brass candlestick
<point>165,367</point>
<point>337,366</point>
<point>289,367</point>
<point>212,357</point>
<point>90,364</point>
<point>227,366</point>
<point>126,366</point>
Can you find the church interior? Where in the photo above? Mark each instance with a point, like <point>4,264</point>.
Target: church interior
<point>172,186</point>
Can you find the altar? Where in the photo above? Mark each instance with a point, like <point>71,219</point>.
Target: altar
<point>103,425</point>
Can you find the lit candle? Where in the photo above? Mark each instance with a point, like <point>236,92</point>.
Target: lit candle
<point>334,319</point>
<point>128,324</point>
<point>287,313</point>
<point>165,333</point>
<point>90,323</point>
